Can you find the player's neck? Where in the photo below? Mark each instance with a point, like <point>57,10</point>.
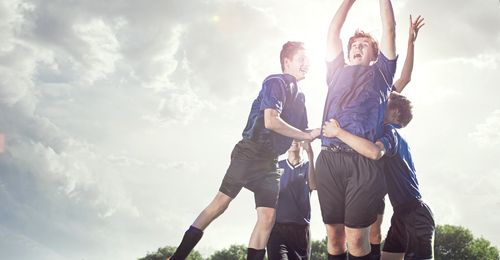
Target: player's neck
<point>293,158</point>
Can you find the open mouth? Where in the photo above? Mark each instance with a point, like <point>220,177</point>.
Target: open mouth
<point>357,55</point>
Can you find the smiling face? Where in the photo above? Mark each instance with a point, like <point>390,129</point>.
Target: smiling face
<point>294,60</point>
<point>298,65</point>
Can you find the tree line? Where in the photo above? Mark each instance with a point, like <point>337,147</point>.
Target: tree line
<point>450,243</point>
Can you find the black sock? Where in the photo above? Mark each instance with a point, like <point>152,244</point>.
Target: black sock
<point>190,239</point>
<point>255,254</point>
<point>366,257</point>
<point>375,253</point>
<point>338,257</point>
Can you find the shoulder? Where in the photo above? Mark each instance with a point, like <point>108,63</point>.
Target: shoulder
<point>282,163</point>
<point>275,79</point>
<point>382,59</point>
<point>338,60</point>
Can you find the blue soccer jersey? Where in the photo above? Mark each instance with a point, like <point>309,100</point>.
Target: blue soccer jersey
<point>294,205</point>
<point>278,92</point>
<point>357,97</point>
<point>400,177</point>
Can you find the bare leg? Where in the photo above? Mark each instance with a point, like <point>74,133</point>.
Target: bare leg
<point>263,227</point>
<point>193,235</point>
<point>218,205</point>
<point>376,238</point>
<point>375,230</point>
<point>336,239</point>
<point>357,240</point>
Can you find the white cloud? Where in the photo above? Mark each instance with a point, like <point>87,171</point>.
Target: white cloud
<point>102,50</point>
<point>486,134</point>
<point>114,111</point>
<point>484,61</point>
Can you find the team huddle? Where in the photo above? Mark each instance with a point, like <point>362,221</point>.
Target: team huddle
<point>363,157</point>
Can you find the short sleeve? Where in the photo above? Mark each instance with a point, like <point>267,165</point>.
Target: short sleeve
<point>387,68</point>
<point>333,66</point>
<point>390,140</point>
<point>273,94</point>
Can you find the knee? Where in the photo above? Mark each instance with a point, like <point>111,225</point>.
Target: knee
<point>336,236</point>
<point>357,241</point>
<point>266,217</point>
<point>375,236</point>
<point>218,206</point>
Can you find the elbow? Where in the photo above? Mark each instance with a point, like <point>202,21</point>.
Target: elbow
<point>269,124</point>
<point>403,83</point>
<point>406,79</point>
<point>376,155</point>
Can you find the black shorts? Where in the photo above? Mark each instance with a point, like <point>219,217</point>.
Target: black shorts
<point>289,241</point>
<point>381,207</point>
<point>412,233</point>
<point>255,170</point>
<point>350,188</point>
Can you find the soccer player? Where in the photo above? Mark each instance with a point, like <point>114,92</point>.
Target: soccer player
<point>412,224</point>
<point>350,186</point>
<point>399,85</point>
<point>277,116</point>
<point>290,238</point>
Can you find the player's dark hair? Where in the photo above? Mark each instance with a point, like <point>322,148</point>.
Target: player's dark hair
<point>403,106</point>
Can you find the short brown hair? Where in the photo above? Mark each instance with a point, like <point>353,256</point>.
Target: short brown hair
<point>403,106</point>
<point>289,50</point>
<point>361,34</point>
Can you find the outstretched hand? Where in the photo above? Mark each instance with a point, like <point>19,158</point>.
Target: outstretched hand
<point>414,27</point>
<point>331,128</point>
<point>313,134</point>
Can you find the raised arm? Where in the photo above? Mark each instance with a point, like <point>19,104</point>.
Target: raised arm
<point>361,145</point>
<point>388,42</point>
<point>312,170</point>
<point>333,41</point>
<point>405,77</point>
<point>274,122</point>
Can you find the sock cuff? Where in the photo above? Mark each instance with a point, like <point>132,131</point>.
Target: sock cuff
<point>365,257</point>
<point>194,231</point>
<point>253,253</point>
<point>338,257</point>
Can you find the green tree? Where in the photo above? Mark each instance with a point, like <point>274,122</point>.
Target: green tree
<point>458,243</point>
<point>318,249</point>
<point>162,253</point>
<point>235,252</point>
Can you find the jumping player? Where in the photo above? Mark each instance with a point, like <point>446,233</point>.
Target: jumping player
<point>399,85</point>
<point>357,97</point>
<point>412,224</point>
<point>277,116</point>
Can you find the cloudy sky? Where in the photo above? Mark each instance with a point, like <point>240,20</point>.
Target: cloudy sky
<point>119,116</point>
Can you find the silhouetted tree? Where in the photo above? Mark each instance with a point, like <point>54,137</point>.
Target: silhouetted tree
<point>451,243</point>
<point>163,252</point>
<point>458,243</point>
<point>235,252</point>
